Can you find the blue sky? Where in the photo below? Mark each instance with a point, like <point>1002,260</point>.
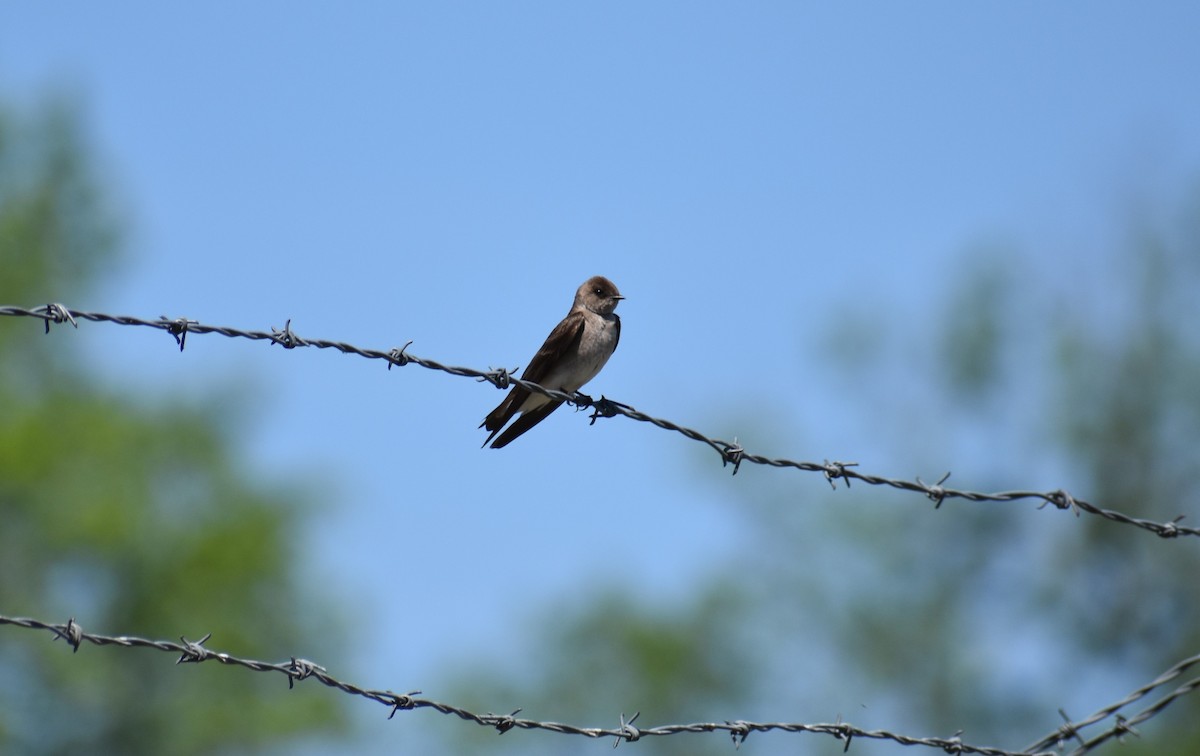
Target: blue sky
<point>449,173</point>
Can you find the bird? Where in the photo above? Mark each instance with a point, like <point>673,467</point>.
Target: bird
<point>573,354</point>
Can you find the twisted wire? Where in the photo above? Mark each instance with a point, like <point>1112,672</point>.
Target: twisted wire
<point>1122,725</point>
<point>730,452</point>
<point>297,669</point>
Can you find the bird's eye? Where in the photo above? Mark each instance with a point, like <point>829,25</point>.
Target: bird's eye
<point>598,292</point>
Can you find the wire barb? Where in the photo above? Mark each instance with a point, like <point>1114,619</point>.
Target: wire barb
<point>842,731</point>
<point>1067,730</point>
<point>738,732</point>
<point>398,357</point>
<point>178,327</point>
<point>501,378</point>
<point>628,731</point>
<point>57,313</point>
<point>193,652</point>
<point>1123,728</point>
<point>503,723</point>
<point>935,492</point>
<point>301,669</point>
<point>404,702</point>
<point>286,338</point>
<point>71,633</point>
<point>732,454</point>
<point>954,744</point>
<point>1063,500</point>
<point>835,470</point>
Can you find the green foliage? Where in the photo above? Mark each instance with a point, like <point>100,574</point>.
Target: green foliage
<point>974,330</point>
<point>58,230</point>
<point>132,517</point>
<point>1128,405</point>
<point>615,655</point>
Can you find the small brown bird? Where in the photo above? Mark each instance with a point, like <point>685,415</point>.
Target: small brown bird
<point>573,354</point>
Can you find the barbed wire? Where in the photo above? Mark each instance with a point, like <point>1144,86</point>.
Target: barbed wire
<point>297,669</point>
<point>731,452</point>
<point>1124,725</point>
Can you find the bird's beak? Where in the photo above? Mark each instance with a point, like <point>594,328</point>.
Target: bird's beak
<point>616,296</point>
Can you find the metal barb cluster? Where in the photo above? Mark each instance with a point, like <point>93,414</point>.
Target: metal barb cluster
<point>297,669</point>
<point>730,452</point>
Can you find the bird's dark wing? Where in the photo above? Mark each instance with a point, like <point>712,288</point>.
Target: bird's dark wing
<point>523,423</point>
<point>617,329</point>
<point>564,339</point>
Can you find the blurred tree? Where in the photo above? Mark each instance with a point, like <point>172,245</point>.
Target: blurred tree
<point>613,655</point>
<point>870,606</point>
<point>133,517</point>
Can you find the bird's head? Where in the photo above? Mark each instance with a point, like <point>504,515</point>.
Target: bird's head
<point>599,295</point>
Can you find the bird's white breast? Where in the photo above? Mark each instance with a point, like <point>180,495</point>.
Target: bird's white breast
<point>596,345</point>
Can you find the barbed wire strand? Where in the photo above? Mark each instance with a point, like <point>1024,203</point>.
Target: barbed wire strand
<point>297,669</point>
<point>1123,725</point>
<point>730,452</point>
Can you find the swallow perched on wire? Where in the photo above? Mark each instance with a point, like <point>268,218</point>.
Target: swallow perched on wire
<point>573,354</point>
